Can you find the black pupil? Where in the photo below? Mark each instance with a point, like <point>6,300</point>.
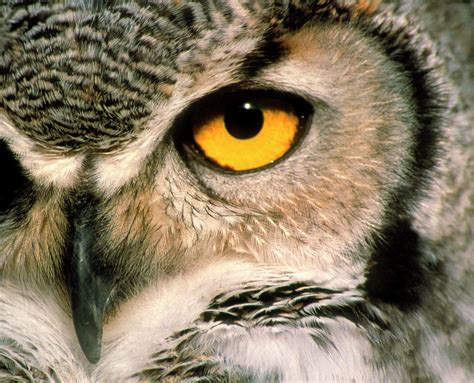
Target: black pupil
<point>244,120</point>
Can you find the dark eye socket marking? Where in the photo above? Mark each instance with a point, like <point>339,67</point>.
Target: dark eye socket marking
<point>16,185</point>
<point>241,131</point>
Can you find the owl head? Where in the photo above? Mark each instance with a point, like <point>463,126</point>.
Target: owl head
<point>145,140</point>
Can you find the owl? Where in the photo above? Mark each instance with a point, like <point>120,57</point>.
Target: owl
<point>235,191</point>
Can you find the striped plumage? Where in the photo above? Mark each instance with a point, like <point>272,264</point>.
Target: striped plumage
<point>120,58</point>
<point>126,254</point>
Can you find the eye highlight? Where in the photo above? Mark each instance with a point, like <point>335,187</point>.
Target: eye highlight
<point>246,132</point>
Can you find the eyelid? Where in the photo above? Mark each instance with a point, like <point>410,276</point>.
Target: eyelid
<point>215,105</point>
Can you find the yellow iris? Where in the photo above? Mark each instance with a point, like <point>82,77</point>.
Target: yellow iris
<point>275,135</point>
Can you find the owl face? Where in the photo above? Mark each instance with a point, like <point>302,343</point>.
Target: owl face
<point>149,140</point>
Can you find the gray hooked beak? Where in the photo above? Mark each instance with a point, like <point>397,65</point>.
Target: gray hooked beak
<point>90,288</point>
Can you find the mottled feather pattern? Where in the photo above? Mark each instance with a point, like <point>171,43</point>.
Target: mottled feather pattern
<point>69,56</point>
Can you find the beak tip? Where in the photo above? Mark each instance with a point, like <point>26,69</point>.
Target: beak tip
<point>90,341</point>
<point>93,358</point>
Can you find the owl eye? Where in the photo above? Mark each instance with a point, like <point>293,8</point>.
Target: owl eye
<point>246,131</point>
<point>17,184</point>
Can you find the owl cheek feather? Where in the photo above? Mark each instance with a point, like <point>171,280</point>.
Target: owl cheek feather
<point>90,288</point>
